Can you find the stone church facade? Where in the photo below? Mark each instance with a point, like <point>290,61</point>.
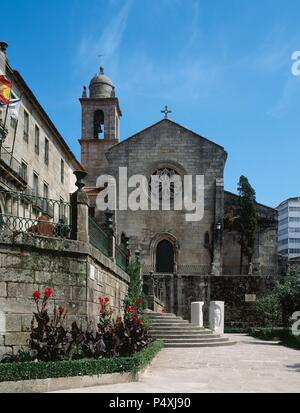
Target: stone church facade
<point>188,260</point>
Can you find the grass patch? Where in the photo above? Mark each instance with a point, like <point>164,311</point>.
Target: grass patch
<point>87,367</point>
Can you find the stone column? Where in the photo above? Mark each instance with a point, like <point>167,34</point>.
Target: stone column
<point>216,317</point>
<point>80,210</point>
<point>197,313</point>
<point>218,228</point>
<point>151,293</point>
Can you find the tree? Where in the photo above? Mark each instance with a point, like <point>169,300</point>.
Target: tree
<point>288,293</point>
<point>247,219</point>
<point>284,300</point>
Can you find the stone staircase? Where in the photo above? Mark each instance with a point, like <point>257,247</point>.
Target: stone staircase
<point>176,332</point>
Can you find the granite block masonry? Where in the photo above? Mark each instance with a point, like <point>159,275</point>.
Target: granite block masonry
<point>77,272</point>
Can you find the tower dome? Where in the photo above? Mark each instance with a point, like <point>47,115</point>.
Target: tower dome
<point>101,86</point>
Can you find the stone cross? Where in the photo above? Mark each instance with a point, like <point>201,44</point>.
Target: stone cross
<point>166,111</point>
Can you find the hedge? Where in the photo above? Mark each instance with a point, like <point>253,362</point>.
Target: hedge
<point>283,334</point>
<point>86,367</point>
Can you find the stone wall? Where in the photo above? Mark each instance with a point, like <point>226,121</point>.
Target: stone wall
<point>239,293</point>
<point>169,145</point>
<point>77,273</point>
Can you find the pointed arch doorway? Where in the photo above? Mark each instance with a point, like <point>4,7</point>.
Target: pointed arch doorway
<point>164,250</point>
<point>164,257</point>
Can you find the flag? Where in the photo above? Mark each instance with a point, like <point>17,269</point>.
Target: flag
<point>13,107</point>
<point>5,89</point>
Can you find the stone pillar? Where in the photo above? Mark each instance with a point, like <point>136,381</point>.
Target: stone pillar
<point>151,293</point>
<point>80,210</point>
<point>216,317</point>
<point>197,313</point>
<point>218,228</point>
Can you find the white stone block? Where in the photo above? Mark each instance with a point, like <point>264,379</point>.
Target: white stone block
<point>197,313</point>
<point>216,317</point>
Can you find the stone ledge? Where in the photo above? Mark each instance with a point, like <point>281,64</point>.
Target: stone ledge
<point>62,246</point>
<point>64,383</point>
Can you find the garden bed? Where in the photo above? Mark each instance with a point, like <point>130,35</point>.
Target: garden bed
<point>16,372</point>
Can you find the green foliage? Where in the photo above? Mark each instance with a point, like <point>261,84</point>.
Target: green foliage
<point>135,286</point>
<point>288,293</point>
<point>48,340</point>
<point>278,307</point>
<point>282,334</point>
<point>269,310</point>
<point>247,216</point>
<point>21,356</point>
<point>86,367</point>
<point>270,333</point>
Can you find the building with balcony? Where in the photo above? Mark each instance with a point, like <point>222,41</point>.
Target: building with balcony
<point>289,228</point>
<point>34,157</point>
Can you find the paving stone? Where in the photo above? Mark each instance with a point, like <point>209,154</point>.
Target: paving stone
<point>249,366</point>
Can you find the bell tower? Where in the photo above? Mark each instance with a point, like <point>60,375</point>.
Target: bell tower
<point>100,125</point>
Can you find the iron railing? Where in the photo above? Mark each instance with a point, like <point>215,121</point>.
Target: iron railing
<point>25,212</point>
<point>13,163</point>
<point>98,238</point>
<point>121,258</point>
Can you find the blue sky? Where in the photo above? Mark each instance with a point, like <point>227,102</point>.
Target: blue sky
<point>222,66</point>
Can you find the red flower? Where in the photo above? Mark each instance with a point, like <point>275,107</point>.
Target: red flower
<point>106,299</point>
<point>111,311</point>
<point>101,300</point>
<point>135,311</point>
<point>61,309</point>
<point>139,300</point>
<point>37,295</point>
<point>128,308</point>
<point>119,318</point>
<point>48,292</point>
<point>139,321</point>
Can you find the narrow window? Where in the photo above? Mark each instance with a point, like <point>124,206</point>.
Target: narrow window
<point>46,158</point>
<point>46,191</point>
<point>62,171</point>
<point>37,140</point>
<point>26,127</point>
<point>23,171</point>
<point>35,184</point>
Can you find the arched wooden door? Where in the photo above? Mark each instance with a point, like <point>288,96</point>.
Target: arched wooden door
<point>164,257</point>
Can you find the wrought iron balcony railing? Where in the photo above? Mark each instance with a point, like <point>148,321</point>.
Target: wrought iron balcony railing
<point>24,212</point>
<point>11,162</point>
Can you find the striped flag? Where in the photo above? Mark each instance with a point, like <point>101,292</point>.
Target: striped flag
<point>13,107</point>
<point>5,89</point>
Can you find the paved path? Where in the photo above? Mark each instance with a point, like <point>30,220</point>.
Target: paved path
<point>249,366</point>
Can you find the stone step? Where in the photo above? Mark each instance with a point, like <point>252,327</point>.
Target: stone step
<point>211,339</point>
<point>178,331</point>
<point>170,323</point>
<point>166,318</point>
<point>160,315</point>
<point>211,344</point>
<point>183,336</point>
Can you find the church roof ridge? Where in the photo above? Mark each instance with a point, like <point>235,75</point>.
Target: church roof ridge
<point>257,203</point>
<point>170,121</point>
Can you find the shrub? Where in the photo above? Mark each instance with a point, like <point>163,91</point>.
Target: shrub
<point>278,307</point>
<point>48,341</point>
<point>269,310</point>
<point>68,368</point>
